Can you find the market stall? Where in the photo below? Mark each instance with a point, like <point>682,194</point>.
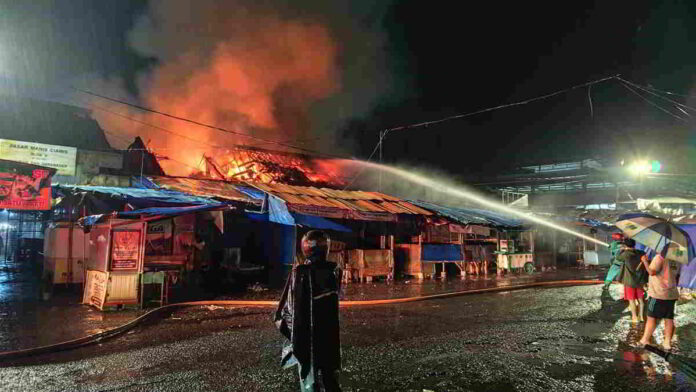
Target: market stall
<point>115,263</point>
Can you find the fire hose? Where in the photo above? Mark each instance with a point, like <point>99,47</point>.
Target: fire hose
<point>102,336</point>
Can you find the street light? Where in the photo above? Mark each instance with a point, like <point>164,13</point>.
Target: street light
<point>643,167</point>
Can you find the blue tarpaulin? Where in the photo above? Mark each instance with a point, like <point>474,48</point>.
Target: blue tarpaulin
<point>468,216</point>
<point>90,220</point>
<point>278,211</point>
<point>251,192</point>
<point>314,222</point>
<point>441,252</point>
<point>317,222</point>
<point>166,211</point>
<point>140,197</point>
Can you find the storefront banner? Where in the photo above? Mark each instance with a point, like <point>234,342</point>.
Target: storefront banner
<point>60,158</point>
<point>95,289</point>
<point>24,187</point>
<point>125,250</point>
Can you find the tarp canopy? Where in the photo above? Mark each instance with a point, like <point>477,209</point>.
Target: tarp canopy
<point>317,222</point>
<point>169,211</point>
<point>90,220</point>
<point>467,216</point>
<point>138,197</point>
<point>311,221</point>
<point>441,252</point>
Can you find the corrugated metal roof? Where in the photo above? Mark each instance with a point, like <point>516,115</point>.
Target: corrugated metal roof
<point>472,215</point>
<point>205,188</point>
<point>333,201</point>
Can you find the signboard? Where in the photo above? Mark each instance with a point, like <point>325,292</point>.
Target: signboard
<point>95,289</point>
<point>159,238</point>
<point>125,250</point>
<point>60,158</point>
<point>24,187</point>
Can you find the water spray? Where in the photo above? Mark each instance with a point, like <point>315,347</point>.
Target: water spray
<point>463,194</point>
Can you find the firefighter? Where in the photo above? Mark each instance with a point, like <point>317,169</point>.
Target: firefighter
<point>307,316</point>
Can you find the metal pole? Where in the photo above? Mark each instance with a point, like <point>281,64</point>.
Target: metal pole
<point>142,159</point>
<point>381,137</point>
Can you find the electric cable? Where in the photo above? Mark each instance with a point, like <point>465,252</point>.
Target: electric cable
<point>654,104</point>
<point>217,128</point>
<point>524,102</point>
<point>679,104</point>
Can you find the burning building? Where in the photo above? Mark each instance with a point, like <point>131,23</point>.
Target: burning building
<point>253,164</point>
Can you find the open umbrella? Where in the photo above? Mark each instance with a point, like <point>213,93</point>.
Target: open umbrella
<point>658,234</point>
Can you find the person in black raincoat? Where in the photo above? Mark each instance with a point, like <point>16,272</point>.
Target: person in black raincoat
<point>307,316</point>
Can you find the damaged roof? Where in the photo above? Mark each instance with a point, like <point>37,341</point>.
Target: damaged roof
<point>341,204</point>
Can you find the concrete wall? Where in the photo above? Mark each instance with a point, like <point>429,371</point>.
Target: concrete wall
<point>88,165</point>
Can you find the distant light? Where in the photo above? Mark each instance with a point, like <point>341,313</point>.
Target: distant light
<point>640,167</point>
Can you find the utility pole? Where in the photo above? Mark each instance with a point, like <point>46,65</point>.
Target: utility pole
<point>382,134</point>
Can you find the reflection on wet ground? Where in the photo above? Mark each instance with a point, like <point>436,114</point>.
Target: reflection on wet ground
<point>26,321</point>
<point>558,339</point>
<point>412,288</point>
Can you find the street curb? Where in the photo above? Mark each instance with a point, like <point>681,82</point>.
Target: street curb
<point>111,333</point>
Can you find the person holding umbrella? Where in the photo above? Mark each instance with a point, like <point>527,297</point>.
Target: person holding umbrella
<point>672,246</point>
<point>663,295</point>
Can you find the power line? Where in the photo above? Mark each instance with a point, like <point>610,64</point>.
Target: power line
<point>157,127</point>
<point>663,91</point>
<point>458,116</point>
<point>384,133</point>
<point>653,103</point>
<point>146,109</point>
<point>365,167</point>
<point>647,90</point>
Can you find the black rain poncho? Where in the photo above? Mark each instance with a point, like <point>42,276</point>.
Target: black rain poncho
<point>307,316</point>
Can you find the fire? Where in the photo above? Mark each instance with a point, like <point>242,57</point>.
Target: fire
<point>257,165</point>
<point>246,68</point>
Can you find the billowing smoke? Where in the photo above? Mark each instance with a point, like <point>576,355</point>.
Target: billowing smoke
<point>263,69</point>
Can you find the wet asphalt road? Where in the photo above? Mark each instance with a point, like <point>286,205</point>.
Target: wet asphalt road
<point>559,339</point>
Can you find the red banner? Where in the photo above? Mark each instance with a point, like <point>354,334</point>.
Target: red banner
<point>125,250</point>
<point>24,187</point>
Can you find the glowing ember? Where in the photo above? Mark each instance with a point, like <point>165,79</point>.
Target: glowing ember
<point>258,165</point>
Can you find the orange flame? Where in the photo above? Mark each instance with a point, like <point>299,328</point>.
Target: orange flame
<point>256,165</point>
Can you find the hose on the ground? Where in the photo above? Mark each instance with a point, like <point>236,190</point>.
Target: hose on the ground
<point>101,336</point>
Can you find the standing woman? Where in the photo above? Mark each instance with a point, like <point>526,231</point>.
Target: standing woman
<point>632,277</point>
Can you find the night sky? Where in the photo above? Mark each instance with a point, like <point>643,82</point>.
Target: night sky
<point>443,58</point>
